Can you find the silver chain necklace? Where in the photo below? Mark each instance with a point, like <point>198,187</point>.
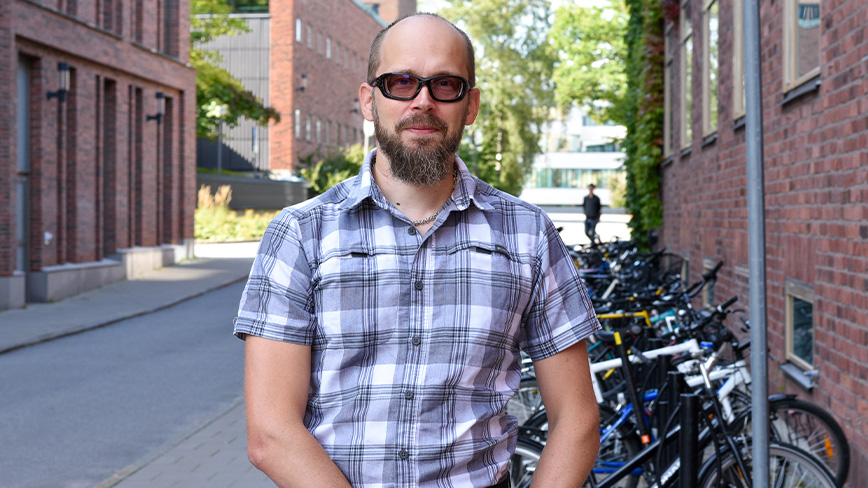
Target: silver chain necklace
<point>433,216</point>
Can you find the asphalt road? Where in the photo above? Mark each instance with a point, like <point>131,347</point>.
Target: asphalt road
<point>76,410</point>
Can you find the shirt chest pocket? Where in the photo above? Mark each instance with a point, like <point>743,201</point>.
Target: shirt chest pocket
<point>494,282</point>
<point>357,294</point>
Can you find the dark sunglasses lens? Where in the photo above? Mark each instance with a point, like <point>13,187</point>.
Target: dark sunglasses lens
<point>401,86</point>
<point>447,88</point>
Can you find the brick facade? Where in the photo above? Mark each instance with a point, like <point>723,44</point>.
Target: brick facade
<point>101,177</point>
<point>333,54</point>
<point>816,199</point>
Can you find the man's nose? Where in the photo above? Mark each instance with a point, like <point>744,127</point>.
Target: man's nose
<point>424,100</point>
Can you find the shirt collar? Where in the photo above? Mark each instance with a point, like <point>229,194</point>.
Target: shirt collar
<point>364,187</point>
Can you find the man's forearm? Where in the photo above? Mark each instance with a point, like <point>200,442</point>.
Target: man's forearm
<point>568,457</point>
<point>291,457</point>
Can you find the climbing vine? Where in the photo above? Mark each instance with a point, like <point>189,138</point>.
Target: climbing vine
<point>644,108</point>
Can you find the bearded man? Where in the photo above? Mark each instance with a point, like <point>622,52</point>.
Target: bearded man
<point>384,318</point>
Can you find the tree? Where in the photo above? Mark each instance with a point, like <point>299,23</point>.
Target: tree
<point>591,47</point>
<point>214,85</point>
<point>514,62</point>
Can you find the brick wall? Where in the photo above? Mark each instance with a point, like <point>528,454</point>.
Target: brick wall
<point>816,189</point>
<point>333,81</point>
<point>102,178</point>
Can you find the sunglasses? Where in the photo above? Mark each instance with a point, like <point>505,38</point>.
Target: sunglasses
<point>404,86</point>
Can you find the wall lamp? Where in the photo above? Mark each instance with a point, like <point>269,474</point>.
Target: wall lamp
<point>303,86</point>
<point>62,82</point>
<point>356,107</point>
<point>161,109</point>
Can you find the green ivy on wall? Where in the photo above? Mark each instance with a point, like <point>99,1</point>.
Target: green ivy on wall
<point>644,142</point>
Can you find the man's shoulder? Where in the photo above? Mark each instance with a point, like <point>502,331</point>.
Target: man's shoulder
<point>331,200</point>
<point>502,200</point>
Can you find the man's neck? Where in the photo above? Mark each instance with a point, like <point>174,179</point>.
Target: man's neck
<point>416,202</point>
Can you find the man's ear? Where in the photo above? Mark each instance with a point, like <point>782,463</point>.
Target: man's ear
<point>473,109</point>
<point>366,100</point>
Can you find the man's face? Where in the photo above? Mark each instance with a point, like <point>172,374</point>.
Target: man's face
<point>419,137</point>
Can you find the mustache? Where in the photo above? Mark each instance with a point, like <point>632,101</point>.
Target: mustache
<point>422,119</point>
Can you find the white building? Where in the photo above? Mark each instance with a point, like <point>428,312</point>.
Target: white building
<point>578,152</point>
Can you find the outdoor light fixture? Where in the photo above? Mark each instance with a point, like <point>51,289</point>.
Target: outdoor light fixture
<point>62,82</point>
<point>161,109</point>
<point>355,109</point>
<point>303,86</point>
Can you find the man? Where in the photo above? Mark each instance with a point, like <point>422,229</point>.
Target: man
<point>383,319</point>
<point>591,205</point>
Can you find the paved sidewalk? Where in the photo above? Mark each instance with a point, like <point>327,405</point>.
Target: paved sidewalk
<point>211,455</point>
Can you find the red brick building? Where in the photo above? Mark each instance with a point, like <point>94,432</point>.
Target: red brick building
<point>97,134</point>
<point>815,121</point>
<point>321,47</point>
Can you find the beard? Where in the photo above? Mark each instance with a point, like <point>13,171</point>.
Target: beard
<point>423,161</point>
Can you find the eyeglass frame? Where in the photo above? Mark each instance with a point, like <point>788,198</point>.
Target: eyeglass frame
<point>426,82</point>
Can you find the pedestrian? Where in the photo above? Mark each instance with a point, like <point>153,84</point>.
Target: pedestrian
<point>591,205</point>
<point>383,319</point>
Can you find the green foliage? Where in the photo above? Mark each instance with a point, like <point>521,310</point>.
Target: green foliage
<point>591,58</point>
<point>643,145</point>
<point>327,172</point>
<point>514,63</point>
<point>215,221</point>
<point>214,85</point>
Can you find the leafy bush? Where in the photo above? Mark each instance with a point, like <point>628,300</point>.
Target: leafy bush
<point>331,170</point>
<point>215,221</point>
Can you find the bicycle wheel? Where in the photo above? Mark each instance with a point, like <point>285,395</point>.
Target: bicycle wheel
<point>789,467</point>
<point>526,402</point>
<point>523,462</point>
<point>616,448</point>
<point>805,425</point>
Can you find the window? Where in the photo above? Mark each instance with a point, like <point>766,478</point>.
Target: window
<point>738,101</point>
<point>297,124</point>
<point>668,94</point>
<point>318,130</point>
<point>307,129</point>
<point>686,76</point>
<point>801,41</point>
<point>298,30</point>
<point>310,36</point>
<point>710,50</point>
<point>328,47</point>
<point>800,324</point>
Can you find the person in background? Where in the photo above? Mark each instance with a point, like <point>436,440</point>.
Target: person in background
<point>591,206</point>
<point>384,318</point>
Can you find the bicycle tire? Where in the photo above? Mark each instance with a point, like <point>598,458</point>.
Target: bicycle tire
<point>523,462</point>
<point>789,467</point>
<point>807,426</point>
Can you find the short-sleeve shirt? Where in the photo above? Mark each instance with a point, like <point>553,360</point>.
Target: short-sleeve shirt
<point>415,339</point>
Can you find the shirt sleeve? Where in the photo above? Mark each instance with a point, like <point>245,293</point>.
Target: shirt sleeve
<point>277,302</point>
<point>561,313</point>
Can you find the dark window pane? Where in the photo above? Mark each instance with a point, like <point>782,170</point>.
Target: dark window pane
<point>803,330</point>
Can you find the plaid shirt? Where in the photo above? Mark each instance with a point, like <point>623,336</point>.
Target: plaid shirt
<point>415,339</point>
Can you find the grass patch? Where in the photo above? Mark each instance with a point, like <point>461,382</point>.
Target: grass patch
<point>215,221</point>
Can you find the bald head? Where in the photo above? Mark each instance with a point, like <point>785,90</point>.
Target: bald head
<point>375,57</point>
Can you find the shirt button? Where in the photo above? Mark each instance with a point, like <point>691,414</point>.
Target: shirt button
<point>403,454</point>
<point>411,231</point>
<point>408,394</point>
<point>418,285</point>
<point>416,341</point>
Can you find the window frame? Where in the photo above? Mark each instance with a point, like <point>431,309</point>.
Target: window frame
<point>297,124</point>
<point>299,30</point>
<point>668,100</point>
<point>685,28</point>
<point>792,290</point>
<point>790,47</point>
<point>738,81</point>
<point>709,121</point>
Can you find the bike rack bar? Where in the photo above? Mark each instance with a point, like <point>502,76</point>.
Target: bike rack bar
<point>688,441</point>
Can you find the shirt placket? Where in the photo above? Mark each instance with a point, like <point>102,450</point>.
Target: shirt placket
<point>418,322</point>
